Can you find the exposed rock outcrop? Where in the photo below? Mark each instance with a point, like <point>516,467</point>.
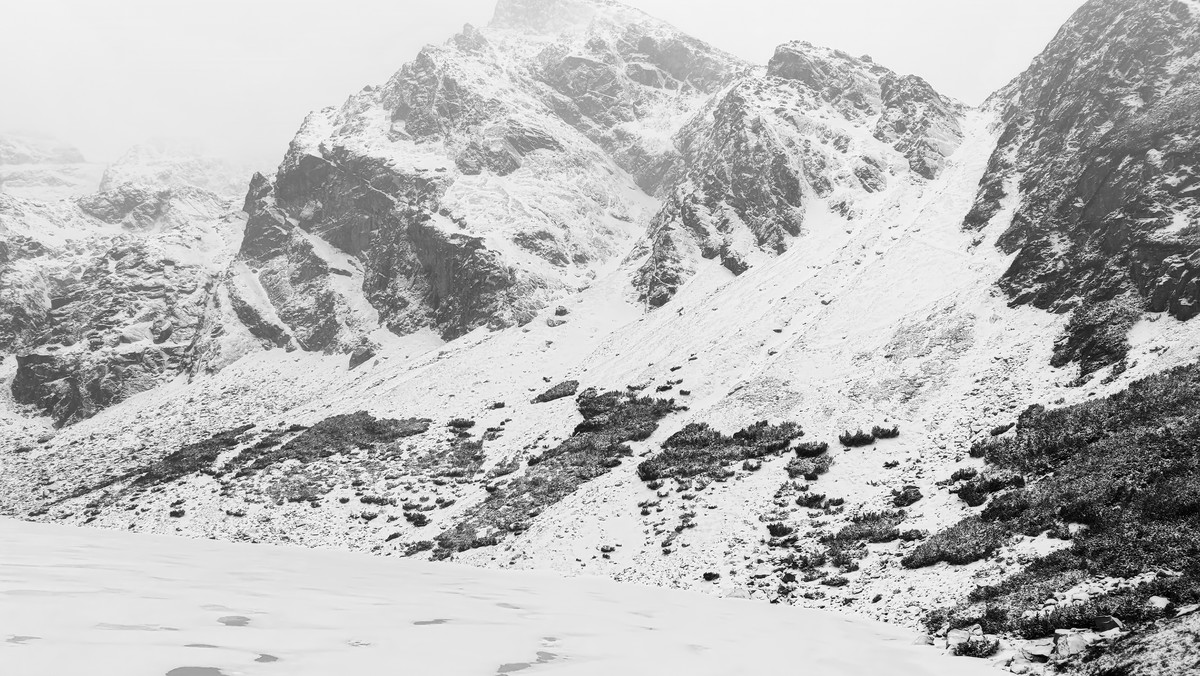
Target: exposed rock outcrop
<point>1098,158</point>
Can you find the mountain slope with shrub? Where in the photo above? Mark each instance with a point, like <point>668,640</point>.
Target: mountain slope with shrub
<point>588,333</point>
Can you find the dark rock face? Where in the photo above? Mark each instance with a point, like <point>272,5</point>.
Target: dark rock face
<point>424,254</point>
<point>626,72</point>
<point>75,385</point>
<point>760,151</point>
<point>113,313</point>
<point>1099,149</point>
<point>918,122</point>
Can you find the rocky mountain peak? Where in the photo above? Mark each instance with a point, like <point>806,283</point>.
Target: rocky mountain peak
<point>1097,163</point>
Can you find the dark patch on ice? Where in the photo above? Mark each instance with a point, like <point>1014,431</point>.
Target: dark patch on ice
<point>200,645</point>
<point>21,639</point>
<point>234,621</point>
<point>196,671</point>
<point>543,657</point>
<point>422,623</point>
<point>266,658</point>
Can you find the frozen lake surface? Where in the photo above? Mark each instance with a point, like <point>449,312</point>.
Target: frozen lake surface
<point>91,602</point>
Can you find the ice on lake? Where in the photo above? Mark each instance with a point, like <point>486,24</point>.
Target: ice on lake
<point>92,602</point>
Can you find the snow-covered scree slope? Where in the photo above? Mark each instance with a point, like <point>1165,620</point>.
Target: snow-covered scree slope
<point>114,603</point>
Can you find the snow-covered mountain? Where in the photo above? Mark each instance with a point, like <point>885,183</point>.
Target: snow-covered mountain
<point>577,291</point>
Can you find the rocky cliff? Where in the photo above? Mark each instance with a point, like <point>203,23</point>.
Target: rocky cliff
<point>103,296</point>
<point>819,129</point>
<point>1094,182</point>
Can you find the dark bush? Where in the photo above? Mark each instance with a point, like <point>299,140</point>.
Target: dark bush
<point>417,519</point>
<point>885,432</point>
<point>566,388</point>
<point>811,449</point>
<point>969,540</point>
<point>964,474</point>
<point>873,527</point>
<point>698,449</point>
<point>809,468</point>
<point>811,500</point>
<point>1006,507</point>
<point>909,495</point>
<point>976,491</point>
<point>779,530</point>
<point>977,647</point>
<point>1001,429</point>
<point>853,439</point>
<point>461,424</point>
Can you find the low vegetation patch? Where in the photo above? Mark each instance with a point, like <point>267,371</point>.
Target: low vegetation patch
<point>331,436</point>
<point>885,432</point>
<point>191,458</point>
<point>1126,469</point>
<point>811,449</point>
<point>846,547</point>
<point>697,449</point>
<point>855,439</point>
<point>809,468</point>
<point>598,444</point>
<point>567,388</point>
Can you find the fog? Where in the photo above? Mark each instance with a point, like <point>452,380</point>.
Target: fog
<point>236,77</point>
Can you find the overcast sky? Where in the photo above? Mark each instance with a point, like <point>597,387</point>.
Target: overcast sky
<point>238,76</point>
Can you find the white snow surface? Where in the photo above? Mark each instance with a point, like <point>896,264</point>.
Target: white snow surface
<point>103,602</point>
